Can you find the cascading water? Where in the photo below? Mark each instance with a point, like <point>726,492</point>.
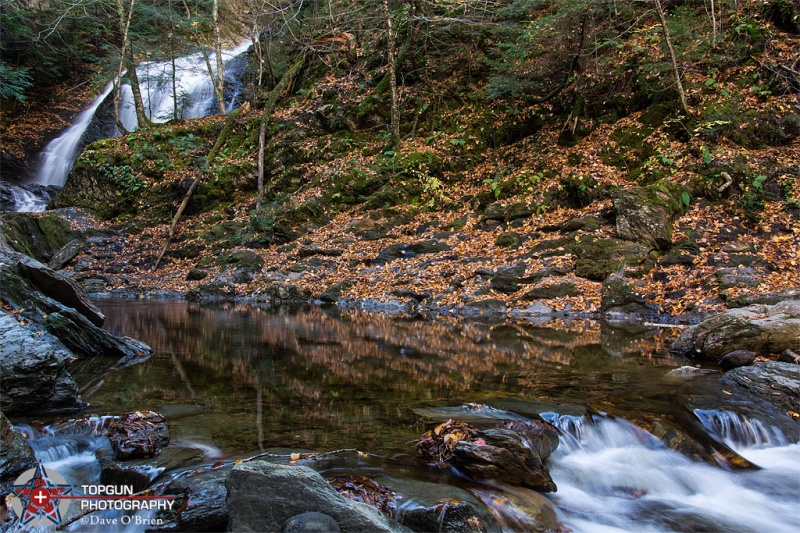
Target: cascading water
<point>613,476</point>
<point>193,92</point>
<point>58,156</point>
<point>195,96</point>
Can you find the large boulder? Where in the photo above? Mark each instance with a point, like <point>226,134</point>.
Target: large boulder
<point>774,382</point>
<point>263,496</point>
<point>598,258</point>
<point>646,214</point>
<point>33,369</point>
<point>763,329</point>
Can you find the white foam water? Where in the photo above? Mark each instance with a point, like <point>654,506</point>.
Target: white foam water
<point>613,476</point>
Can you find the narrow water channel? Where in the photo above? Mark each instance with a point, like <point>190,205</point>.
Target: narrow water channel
<point>234,380</point>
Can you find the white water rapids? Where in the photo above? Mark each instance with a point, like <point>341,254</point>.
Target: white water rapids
<point>614,477</point>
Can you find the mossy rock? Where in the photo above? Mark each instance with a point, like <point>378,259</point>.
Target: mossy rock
<point>508,239</point>
<point>36,237</point>
<point>646,214</point>
<point>556,290</point>
<point>242,259</point>
<point>598,258</point>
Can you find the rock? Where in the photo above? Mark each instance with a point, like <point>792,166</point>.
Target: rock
<point>91,283</point>
<point>244,260</point>
<point>689,371</point>
<point>646,214</point>
<point>61,288</point>
<point>36,236</point>
<point>199,501</point>
<point>491,308</point>
<point>283,292</point>
<point>506,279</point>
<point>738,277</point>
<point>598,258</point>
<point>263,496</point>
<point>504,457</point>
<point>508,239</point>
<point>66,254</point>
<point>762,329</point>
<point>196,274</point>
<point>33,370</point>
<point>540,436</point>
<point>334,293</point>
<point>765,298</point>
<point>310,523</point>
<point>495,211</point>
<point>139,434</point>
<point>318,250</point>
<point>774,382</point>
<point>445,517</point>
<point>679,255</point>
<point>589,223</point>
<point>549,292</point>
<point>405,251</point>
<point>736,359</point>
<point>16,455</point>
<point>621,299</point>
<point>788,356</point>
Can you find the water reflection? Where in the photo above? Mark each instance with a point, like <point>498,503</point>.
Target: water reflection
<point>242,378</point>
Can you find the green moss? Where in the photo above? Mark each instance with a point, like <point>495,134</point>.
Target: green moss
<point>56,231</point>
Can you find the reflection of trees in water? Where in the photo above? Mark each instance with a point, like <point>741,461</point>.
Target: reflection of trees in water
<point>305,371</point>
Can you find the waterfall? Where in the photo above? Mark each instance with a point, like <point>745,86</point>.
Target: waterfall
<point>194,88</point>
<point>195,100</point>
<point>58,156</point>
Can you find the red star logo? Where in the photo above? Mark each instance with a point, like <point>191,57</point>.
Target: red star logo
<point>40,497</point>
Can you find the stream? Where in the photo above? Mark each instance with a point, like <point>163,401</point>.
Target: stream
<point>235,380</point>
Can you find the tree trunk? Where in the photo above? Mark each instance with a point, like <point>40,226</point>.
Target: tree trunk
<point>269,105</point>
<point>138,103</point>
<point>395,117</point>
<point>124,24</point>
<point>219,83</point>
<point>675,70</point>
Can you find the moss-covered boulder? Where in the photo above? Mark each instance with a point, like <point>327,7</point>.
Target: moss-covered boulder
<point>646,214</point>
<point>598,258</point>
<point>39,237</point>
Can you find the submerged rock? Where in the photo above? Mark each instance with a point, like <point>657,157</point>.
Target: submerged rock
<point>263,496</point>
<point>199,501</point>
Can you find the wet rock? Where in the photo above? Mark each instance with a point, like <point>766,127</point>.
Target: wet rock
<point>549,292</point>
<point>736,359</point>
<point>334,293</point>
<point>263,496</point>
<point>406,251</point>
<point>445,517</point>
<point>140,473</point>
<point>199,501</point>
<point>765,298</point>
<point>646,214</point>
<point>788,356</point>
<point>491,308</point>
<point>365,490</point>
<point>774,382</point>
<point>689,371</point>
<point>540,436</point>
<point>16,455</point>
<point>33,370</point>
<point>622,299</point>
<point>139,434</point>
<point>311,522</point>
<point>66,254</point>
<point>762,329</point>
<point>503,457</point>
<point>61,288</point>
